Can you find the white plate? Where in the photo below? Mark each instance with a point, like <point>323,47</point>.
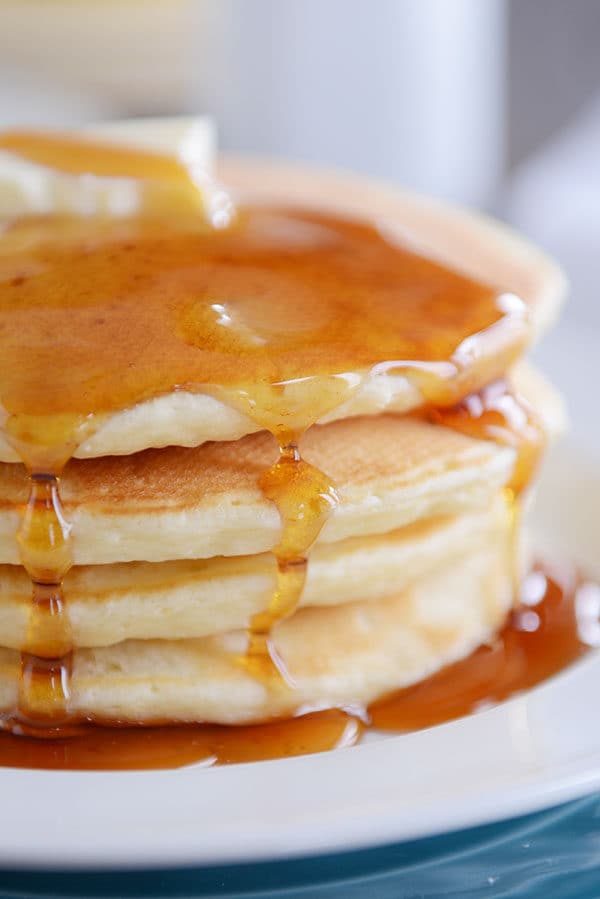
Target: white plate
<point>529,753</point>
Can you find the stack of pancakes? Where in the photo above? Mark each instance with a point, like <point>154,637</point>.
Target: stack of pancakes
<point>172,537</point>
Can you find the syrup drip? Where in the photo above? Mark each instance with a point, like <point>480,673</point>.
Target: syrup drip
<point>304,496</point>
<point>305,499</point>
<point>499,414</point>
<point>44,541</point>
<point>282,316</point>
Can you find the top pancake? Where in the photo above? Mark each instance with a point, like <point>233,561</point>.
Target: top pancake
<point>146,345</point>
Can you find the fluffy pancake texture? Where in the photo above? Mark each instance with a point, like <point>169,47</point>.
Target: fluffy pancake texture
<point>180,503</point>
<point>339,655</point>
<point>175,600</point>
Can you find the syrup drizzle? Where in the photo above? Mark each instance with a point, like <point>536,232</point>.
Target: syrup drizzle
<point>305,498</point>
<point>498,413</point>
<point>44,540</point>
<point>283,316</point>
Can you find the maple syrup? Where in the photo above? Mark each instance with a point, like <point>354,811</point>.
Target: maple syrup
<point>95,747</point>
<point>282,315</point>
<point>498,413</point>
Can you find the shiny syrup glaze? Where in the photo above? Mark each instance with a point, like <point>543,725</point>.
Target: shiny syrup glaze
<point>281,315</point>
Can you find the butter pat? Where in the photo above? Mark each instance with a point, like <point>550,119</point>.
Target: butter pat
<point>29,187</point>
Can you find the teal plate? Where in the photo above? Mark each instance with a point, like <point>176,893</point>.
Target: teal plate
<point>555,853</point>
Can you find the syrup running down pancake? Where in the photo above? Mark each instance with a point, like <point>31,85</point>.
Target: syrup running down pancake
<point>174,322</point>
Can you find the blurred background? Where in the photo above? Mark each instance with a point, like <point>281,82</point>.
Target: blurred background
<point>492,103</point>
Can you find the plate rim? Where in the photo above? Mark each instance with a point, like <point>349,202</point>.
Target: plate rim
<point>380,822</point>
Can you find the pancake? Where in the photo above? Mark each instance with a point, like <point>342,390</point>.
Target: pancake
<point>464,241</point>
<point>174,600</point>
<point>338,656</point>
<point>180,503</point>
<point>164,569</point>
